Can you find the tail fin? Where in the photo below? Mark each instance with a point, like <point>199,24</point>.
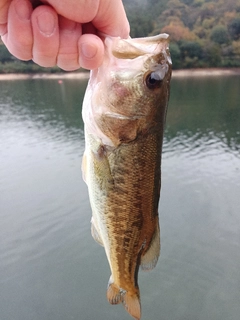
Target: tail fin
<point>132,304</point>
<point>131,301</point>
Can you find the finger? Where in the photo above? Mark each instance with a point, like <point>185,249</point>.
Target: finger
<point>108,16</point>
<point>90,51</point>
<point>19,35</point>
<point>69,33</point>
<point>3,29</point>
<point>45,36</point>
<point>111,19</point>
<point>4,5</point>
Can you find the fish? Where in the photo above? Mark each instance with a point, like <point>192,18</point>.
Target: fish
<point>124,111</point>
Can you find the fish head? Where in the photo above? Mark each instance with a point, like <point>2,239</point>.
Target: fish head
<point>130,90</point>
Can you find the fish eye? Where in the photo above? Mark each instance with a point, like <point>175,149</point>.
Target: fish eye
<point>153,80</point>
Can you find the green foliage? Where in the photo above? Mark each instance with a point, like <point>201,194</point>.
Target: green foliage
<point>175,55</point>
<point>212,54</point>
<point>188,2</point>
<point>205,32</point>
<point>191,49</point>
<point>141,25</point>
<point>17,66</point>
<point>234,28</point>
<point>219,34</point>
<point>142,14</point>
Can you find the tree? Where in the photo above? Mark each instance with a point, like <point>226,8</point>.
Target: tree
<point>220,35</point>
<point>191,49</point>
<point>178,32</point>
<point>212,55</point>
<point>234,28</point>
<point>175,55</point>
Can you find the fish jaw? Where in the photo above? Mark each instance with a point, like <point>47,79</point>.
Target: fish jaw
<point>124,113</point>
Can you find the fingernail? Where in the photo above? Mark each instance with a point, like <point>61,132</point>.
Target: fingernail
<point>88,50</point>
<point>46,23</point>
<point>23,9</point>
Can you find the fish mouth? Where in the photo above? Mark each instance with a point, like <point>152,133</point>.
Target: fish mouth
<point>124,117</point>
<point>135,47</point>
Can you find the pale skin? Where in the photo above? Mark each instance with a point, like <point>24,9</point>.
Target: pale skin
<point>61,32</point>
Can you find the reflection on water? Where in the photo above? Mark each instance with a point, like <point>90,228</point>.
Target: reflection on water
<point>51,268</point>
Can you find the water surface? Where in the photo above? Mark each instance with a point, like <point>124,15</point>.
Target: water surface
<point>50,266</point>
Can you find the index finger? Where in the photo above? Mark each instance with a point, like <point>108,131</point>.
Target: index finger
<point>4,5</point>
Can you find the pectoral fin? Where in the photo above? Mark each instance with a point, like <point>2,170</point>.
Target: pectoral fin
<point>150,258</point>
<point>119,128</point>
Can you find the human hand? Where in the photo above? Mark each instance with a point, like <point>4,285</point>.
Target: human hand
<point>61,32</point>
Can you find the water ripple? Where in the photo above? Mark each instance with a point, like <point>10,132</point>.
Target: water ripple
<point>200,146</point>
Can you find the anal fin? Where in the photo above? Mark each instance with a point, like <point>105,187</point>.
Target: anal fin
<point>113,292</point>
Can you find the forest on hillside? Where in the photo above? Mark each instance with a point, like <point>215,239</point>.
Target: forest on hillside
<point>202,33</point>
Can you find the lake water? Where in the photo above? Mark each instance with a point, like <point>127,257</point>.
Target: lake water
<point>51,268</point>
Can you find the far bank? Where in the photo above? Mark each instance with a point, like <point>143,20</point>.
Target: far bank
<point>213,72</point>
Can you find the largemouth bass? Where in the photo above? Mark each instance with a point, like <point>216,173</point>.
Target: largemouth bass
<point>124,112</point>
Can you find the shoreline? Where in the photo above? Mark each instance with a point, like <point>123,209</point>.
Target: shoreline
<point>34,76</point>
<point>85,75</point>
<point>206,72</point>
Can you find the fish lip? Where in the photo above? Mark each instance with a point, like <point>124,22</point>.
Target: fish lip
<point>124,117</point>
<point>160,36</point>
<point>156,38</point>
